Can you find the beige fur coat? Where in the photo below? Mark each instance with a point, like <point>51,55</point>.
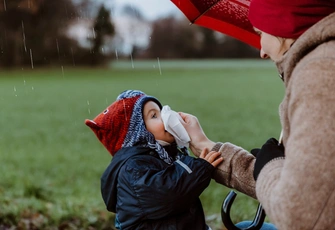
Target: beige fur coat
<point>299,191</point>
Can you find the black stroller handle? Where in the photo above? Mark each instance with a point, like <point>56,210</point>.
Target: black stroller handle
<point>225,214</point>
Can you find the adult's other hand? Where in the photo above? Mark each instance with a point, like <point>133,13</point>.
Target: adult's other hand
<point>269,151</point>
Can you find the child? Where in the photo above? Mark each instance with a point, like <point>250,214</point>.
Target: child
<point>150,182</point>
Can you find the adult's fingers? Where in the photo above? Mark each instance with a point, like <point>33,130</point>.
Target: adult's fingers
<point>187,118</point>
<point>204,153</point>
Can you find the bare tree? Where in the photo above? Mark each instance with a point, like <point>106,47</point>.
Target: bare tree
<point>102,28</point>
<point>33,32</point>
<point>175,38</point>
<point>171,38</point>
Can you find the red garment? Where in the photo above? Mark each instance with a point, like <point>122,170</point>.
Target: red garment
<point>288,18</point>
<point>121,124</point>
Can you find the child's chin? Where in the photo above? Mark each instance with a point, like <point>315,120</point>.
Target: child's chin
<point>171,140</point>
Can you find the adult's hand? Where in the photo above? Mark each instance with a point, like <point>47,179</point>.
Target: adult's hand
<point>269,151</point>
<point>199,140</point>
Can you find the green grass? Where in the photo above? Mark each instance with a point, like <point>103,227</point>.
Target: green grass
<point>51,162</point>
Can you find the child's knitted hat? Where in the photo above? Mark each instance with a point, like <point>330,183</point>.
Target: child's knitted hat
<point>122,124</point>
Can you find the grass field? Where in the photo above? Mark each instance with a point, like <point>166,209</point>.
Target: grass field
<point>51,162</point>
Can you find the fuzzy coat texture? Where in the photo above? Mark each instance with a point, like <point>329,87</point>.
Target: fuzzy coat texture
<point>297,192</point>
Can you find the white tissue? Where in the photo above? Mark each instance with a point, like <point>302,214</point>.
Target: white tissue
<point>171,120</point>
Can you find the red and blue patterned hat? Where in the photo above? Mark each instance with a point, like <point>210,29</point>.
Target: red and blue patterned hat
<point>122,125</point>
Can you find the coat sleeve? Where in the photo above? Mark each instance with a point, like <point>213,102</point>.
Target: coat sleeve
<point>299,191</point>
<point>236,170</point>
<point>160,192</point>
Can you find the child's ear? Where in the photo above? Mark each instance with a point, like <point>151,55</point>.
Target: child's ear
<point>92,124</point>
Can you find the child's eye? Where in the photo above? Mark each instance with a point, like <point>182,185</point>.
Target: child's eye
<point>154,115</point>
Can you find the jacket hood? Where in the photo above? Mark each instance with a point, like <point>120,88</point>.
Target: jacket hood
<point>323,31</point>
<point>109,177</point>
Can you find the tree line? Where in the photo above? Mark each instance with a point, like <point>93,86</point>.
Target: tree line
<point>176,38</point>
<point>34,33</point>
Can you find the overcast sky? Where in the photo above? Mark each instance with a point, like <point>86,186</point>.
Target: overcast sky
<point>151,9</point>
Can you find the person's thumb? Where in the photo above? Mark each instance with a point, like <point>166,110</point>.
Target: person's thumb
<point>185,117</point>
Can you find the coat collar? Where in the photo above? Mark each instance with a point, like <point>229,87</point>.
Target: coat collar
<point>319,33</point>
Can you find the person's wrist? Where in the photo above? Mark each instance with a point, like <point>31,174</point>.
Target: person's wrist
<point>209,144</point>
<point>199,146</point>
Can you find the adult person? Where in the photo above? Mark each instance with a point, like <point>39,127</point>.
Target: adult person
<point>293,180</point>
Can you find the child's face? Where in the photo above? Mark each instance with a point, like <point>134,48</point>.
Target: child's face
<point>154,123</point>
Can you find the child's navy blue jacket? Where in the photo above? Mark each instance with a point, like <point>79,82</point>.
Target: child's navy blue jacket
<point>147,193</point>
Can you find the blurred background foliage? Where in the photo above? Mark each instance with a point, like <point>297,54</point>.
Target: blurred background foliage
<point>86,32</point>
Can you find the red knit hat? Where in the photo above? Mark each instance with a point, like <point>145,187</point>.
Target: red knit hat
<point>122,125</point>
<point>112,124</point>
<point>288,18</point>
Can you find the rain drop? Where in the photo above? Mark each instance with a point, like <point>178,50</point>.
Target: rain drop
<point>15,91</point>
<point>93,33</point>
<point>159,66</point>
<point>31,59</point>
<point>24,37</point>
<point>63,71</point>
<point>132,61</point>
<point>57,48</point>
<point>125,111</point>
<point>116,55</point>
